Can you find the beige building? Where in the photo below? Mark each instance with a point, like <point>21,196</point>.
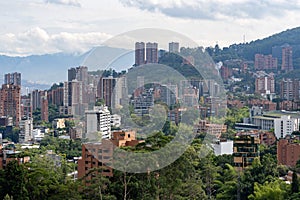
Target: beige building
<point>59,123</point>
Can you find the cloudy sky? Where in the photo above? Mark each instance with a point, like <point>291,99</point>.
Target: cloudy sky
<point>74,26</point>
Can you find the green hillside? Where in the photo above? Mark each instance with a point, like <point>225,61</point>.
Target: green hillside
<point>264,46</point>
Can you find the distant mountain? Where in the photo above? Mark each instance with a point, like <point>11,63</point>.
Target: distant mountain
<point>40,68</point>
<point>101,58</point>
<point>51,68</point>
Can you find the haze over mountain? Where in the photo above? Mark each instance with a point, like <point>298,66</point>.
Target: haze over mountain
<point>50,68</point>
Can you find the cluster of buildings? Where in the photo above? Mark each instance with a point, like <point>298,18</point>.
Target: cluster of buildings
<point>268,128</point>
<point>149,53</point>
<point>268,62</point>
<point>265,62</point>
<point>80,95</point>
<point>266,70</point>
<point>271,121</point>
<point>178,97</point>
<point>288,88</point>
<point>16,110</point>
<point>245,146</point>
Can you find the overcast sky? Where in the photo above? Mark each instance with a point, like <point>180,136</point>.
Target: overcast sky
<point>49,26</point>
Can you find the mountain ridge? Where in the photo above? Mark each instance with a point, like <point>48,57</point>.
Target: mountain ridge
<point>52,68</point>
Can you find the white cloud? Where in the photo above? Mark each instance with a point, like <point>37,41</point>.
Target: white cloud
<point>216,9</point>
<point>65,2</point>
<point>206,21</point>
<point>39,41</point>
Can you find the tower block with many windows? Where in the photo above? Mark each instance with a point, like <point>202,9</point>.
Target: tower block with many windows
<point>10,97</point>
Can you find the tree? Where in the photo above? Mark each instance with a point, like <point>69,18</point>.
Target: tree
<point>15,176</point>
<point>209,172</point>
<point>227,183</point>
<point>97,187</point>
<point>7,197</point>
<point>295,183</point>
<point>276,190</point>
<point>13,135</point>
<point>169,128</point>
<point>100,102</point>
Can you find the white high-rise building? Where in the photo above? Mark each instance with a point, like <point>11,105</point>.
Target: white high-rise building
<point>285,126</point>
<point>26,129</point>
<point>98,121</point>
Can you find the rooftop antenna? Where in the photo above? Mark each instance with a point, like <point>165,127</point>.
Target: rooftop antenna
<point>244,38</point>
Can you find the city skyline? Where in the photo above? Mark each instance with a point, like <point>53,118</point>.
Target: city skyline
<point>30,28</point>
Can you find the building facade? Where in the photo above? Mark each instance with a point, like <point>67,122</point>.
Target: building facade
<point>106,88</point>
<point>76,91</point>
<point>26,130</point>
<point>44,109</point>
<point>10,102</point>
<point>98,157</point>
<point>174,47</point>
<point>288,152</point>
<point>289,89</point>
<point>98,121</point>
<point>139,53</point>
<point>215,130</point>
<point>12,78</point>
<point>223,147</point>
<point>265,62</point>
<point>287,58</point>
<point>26,108</point>
<point>264,84</point>
<point>245,149</point>
<point>285,125</point>
<point>151,52</point>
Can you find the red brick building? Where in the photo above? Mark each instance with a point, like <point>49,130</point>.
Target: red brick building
<point>10,102</point>
<point>267,138</point>
<point>225,72</point>
<point>288,152</point>
<point>205,126</point>
<point>44,109</point>
<point>56,96</point>
<point>265,104</point>
<point>287,59</point>
<point>100,155</point>
<point>263,62</point>
<point>95,156</point>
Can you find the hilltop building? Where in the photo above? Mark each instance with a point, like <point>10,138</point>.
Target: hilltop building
<point>287,58</point>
